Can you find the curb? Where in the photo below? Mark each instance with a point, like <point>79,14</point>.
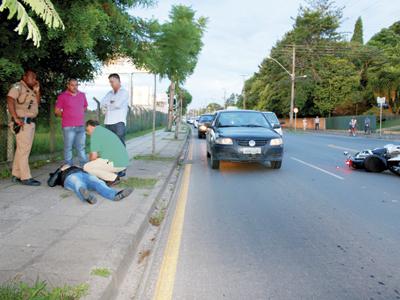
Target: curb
<point>126,245</point>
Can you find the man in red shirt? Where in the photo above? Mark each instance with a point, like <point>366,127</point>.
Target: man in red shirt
<point>71,106</point>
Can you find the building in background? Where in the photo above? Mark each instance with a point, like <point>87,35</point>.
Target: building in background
<point>138,82</point>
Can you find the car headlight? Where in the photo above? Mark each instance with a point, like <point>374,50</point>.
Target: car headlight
<point>276,142</point>
<point>202,127</point>
<point>224,141</point>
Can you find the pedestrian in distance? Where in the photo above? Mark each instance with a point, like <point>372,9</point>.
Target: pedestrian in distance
<point>71,106</point>
<point>316,123</point>
<point>304,124</point>
<point>353,126</point>
<point>367,125</point>
<point>23,101</point>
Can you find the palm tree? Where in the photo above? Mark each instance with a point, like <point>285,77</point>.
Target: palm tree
<point>43,8</point>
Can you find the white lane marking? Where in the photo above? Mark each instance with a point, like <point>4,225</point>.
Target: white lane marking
<point>342,148</point>
<point>317,168</point>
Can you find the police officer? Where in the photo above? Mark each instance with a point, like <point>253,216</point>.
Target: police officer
<point>23,104</point>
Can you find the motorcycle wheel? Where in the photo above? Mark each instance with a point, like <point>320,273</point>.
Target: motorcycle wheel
<point>375,164</point>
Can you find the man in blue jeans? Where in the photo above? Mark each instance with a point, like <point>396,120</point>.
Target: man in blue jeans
<point>81,183</point>
<point>71,106</point>
<point>115,106</point>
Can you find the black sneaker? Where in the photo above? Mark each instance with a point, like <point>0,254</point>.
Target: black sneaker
<point>122,194</point>
<point>122,173</point>
<point>15,179</point>
<point>31,182</point>
<point>87,196</point>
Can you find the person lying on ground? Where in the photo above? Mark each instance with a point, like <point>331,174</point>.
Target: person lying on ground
<point>81,183</point>
<point>108,158</point>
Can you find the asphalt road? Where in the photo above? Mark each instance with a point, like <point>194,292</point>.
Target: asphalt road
<point>311,230</point>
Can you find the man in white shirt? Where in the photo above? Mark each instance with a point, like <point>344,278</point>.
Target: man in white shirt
<point>115,105</point>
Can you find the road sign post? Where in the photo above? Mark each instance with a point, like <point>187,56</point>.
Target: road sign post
<point>380,101</point>
<point>295,110</point>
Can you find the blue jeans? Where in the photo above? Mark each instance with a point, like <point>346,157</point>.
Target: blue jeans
<point>78,180</point>
<point>74,136</point>
<point>119,129</point>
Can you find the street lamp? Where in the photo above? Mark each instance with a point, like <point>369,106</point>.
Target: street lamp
<point>295,110</point>
<point>293,79</point>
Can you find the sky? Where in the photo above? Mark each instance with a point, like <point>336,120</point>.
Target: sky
<point>240,35</point>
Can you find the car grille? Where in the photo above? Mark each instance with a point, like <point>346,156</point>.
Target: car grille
<point>259,143</point>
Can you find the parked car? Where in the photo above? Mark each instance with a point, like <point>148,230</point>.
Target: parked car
<point>243,136</point>
<point>203,124</point>
<point>196,122</point>
<point>274,121</point>
<point>190,120</point>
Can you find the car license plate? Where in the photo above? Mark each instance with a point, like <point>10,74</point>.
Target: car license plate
<point>249,150</point>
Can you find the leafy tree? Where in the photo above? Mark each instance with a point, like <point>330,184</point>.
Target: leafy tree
<point>337,83</point>
<point>42,8</point>
<point>385,72</point>
<point>358,34</point>
<point>232,99</point>
<point>176,49</point>
<point>212,107</point>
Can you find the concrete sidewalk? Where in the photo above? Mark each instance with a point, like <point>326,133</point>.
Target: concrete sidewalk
<point>48,234</point>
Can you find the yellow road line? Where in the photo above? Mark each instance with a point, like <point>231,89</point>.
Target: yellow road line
<point>342,148</point>
<point>166,278</point>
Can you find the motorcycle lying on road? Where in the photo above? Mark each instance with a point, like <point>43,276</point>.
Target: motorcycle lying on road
<point>376,160</point>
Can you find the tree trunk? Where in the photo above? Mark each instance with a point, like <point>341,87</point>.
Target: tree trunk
<point>171,105</point>
<point>179,119</point>
<point>52,130</point>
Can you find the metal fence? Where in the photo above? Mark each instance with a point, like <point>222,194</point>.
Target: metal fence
<point>48,142</point>
<point>342,123</point>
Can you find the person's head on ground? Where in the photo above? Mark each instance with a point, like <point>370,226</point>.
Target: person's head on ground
<point>72,85</point>
<point>30,78</point>
<point>90,126</point>
<point>115,81</point>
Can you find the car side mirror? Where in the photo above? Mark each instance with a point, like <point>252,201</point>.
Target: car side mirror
<point>276,126</point>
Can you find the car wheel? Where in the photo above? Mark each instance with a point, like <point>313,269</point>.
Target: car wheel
<point>276,164</point>
<point>199,135</point>
<point>214,162</point>
<point>208,155</point>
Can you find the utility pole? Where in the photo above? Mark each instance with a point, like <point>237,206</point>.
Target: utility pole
<point>244,92</point>
<point>225,98</point>
<point>293,77</point>
<point>293,80</point>
<point>153,135</point>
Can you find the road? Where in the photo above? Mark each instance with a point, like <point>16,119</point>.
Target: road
<point>312,230</point>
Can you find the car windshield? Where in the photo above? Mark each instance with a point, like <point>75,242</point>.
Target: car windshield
<point>271,117</point>
<point>204,119</point>
<point>242,119</point>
